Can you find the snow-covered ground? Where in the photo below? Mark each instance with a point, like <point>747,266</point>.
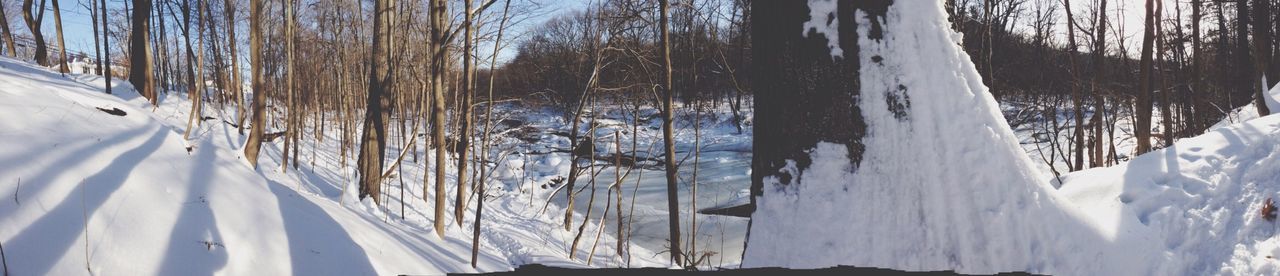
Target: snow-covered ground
<point>86,190</point>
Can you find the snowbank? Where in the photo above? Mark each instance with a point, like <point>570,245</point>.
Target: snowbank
<point>943,183</point>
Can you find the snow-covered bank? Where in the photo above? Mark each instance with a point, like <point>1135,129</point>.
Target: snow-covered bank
<point>86,190</point>
<point>1198,200</point>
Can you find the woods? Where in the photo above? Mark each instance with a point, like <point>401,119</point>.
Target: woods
<point>419,89</point>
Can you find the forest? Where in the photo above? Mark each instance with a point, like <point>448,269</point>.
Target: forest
<point>489,125</point>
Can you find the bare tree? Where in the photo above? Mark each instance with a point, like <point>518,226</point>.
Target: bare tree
<point>440,51</point>
<point>372,142</point>
<point>8,34</point>
<point>254,144</point>
<point>673,196</point>
<point>106,49</point>
<point>1142,124</point>
<point>34,21</point>
<point>141,73</point>
<point>62,45</point>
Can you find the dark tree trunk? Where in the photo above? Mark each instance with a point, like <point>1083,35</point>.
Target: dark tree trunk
<point>1266,74</point>
<point>140,69</point>
<point>372,141</point>
<point>1142,124</point>
<point>803,94</point>
<point>34,21</point>
<point>106,46</point>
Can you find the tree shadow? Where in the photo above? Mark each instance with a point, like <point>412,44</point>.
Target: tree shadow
<point>45,241</point>
<point>318,245</point>
<point>195,244</point>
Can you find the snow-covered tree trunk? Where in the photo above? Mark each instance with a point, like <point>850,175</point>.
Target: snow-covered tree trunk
<point>806,85</point>
<point>877,144</point>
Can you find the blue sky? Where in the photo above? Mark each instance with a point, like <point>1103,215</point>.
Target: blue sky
<point>78,29</point>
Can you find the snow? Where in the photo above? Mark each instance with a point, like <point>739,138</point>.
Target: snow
<point>944,185</point>
<point>823,20</point>
<point>127,195</point>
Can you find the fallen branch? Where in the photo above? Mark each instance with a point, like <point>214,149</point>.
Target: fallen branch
<point>112,111</point>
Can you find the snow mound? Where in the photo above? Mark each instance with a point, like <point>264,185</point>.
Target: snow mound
<point>943,183</point>
<point>1199,199</point>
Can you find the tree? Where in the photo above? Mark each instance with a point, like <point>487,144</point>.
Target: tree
<point>34,21</point>
<point>1099,72</point>
<point>193,119</point>
<point>372,146</point>
<point>254,144</point>
<point>440,51</point>
<point>141,74</point>
<point>106,49</point>
<point>673,196</point>
<point>1076,98</point>
<point>1266,75</point>
<point>464,115</point>
<point>1142,124</point>
<point>8,34</point>
<point>290,74</point>
<point>62,46</point>
<point>92,6</point>
<point>236,84</point>
<point>794,70</point>
<point>488,118</point>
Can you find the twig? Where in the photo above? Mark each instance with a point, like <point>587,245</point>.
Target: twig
<point>15,192</point>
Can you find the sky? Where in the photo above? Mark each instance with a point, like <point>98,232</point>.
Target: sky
<point>78,28</point>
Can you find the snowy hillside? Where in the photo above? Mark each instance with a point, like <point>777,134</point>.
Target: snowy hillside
<point>85,189</point>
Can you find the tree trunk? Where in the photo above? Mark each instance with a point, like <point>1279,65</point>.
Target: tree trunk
<point>1265,75</point>
<point>1099,72</point>
<point>1142,124</point>
<point>290,127</point>
<point>488,118</point>
<point>62,45</point>
<point>673,195</point>
<point>8,34</point>
<point>141,74</point>
<point>372,141</point>
<point>464,115</point>
<point>254,144</point>
<point>440,52</point>
<point>33,24</point>
<point>236,84</point>
<point>106,47</point>
<point>97,42</point>
<point>193,118</point>
<point>1077,98</point>
<point>794,70</point>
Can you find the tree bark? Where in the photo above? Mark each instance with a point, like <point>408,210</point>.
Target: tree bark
<point>34,21</point>
<point>254,144</point>
<point>1142,124</point>
<point>62,45</point>
<point>236,84</point>
<point>792,70</point>
<point>440,51</point>
<point>8,34</point>
<point>673,195</point>
<point>373,138</point>
<point>1265,76</point>
<point>106,47</point>
<point>464,115</point>
<point>97,42</point>
<point>141,73</point>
